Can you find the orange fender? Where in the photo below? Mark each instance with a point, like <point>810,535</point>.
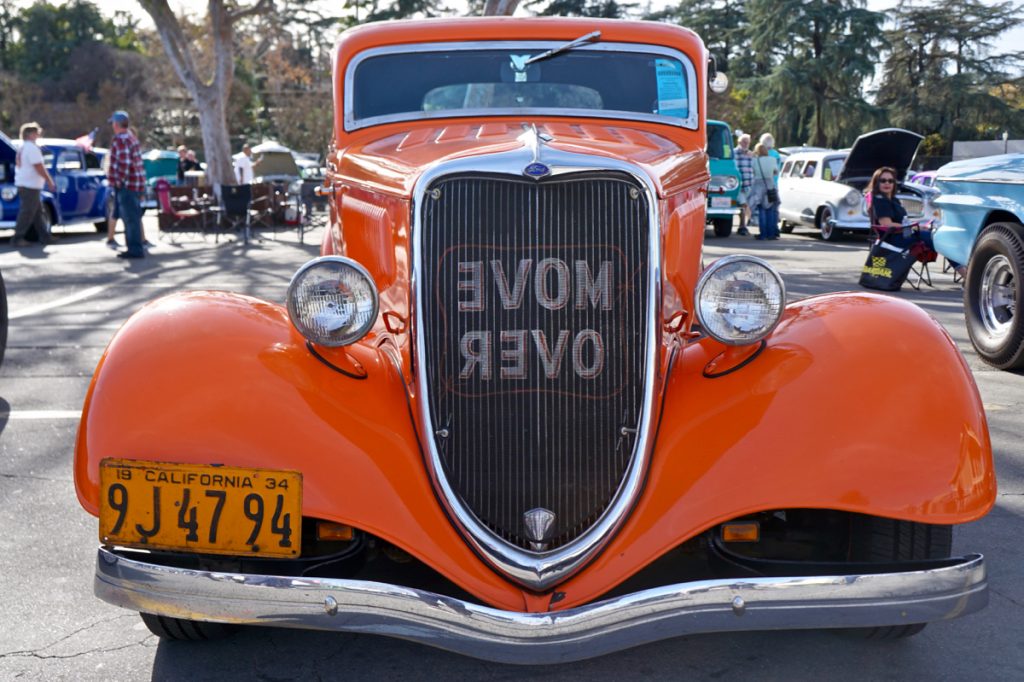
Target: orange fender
<point>858,402</point>
<point>212,377</point>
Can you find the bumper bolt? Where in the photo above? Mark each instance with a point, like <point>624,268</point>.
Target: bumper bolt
<point>739,607</point>
<point>331,606</point>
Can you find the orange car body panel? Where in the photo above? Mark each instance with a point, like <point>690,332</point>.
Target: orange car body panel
<point>839,410</point>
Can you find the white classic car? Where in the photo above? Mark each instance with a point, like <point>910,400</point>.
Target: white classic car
<point>823,189</point>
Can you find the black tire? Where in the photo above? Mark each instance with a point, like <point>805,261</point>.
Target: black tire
<point>992,291</point>
<point>878,539</point>
<point>181,630</point>
<point>723,226</point>
<point>33,234</point>
<point>101,227</point>
<point>825,229</point>
<point>786,227</point>
<point>3,318</point>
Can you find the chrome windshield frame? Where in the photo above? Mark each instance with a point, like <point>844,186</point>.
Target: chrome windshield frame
<point>691,122</point>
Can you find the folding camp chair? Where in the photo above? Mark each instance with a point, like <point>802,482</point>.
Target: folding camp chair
<point>172,219</point>
<point>236,200</point>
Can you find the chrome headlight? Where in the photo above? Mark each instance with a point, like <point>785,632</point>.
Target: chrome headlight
<point>739,300</point>
<point>332,301</point>
<point>8,193</point>
<point>853,198</point>
<point>723,183</point>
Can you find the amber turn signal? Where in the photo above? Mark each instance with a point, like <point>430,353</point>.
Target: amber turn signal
<point>328,530</point>
<point>741,531</point>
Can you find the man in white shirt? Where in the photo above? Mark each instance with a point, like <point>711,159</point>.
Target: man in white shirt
<point>243,165</point>
<point>30,176</point>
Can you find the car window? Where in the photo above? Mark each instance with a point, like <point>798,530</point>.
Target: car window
<point>797,167</point>
<point>810,168</point>
<point>639,81</point>
<point>719,142</point>
<point>69,160</point>
<point>785,168</point>
<point>92,161</point>
<point>832,167</point>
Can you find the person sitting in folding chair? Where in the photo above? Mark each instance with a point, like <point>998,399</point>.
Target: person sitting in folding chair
<point>887,221</point>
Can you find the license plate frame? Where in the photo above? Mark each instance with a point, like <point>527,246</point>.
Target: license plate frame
<point>721,202</point>
<point>200,508</point>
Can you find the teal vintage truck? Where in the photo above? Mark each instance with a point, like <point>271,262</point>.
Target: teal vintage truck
<point>724,187</point>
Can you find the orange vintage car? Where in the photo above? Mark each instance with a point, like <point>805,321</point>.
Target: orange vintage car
<point>509,411</point>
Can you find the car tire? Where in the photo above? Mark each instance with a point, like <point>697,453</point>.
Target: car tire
<point>825,229</point>
<point>786,227</point>
<point>181,630</point>
<point>992,293</point>
<point>723,226</point>
<point>888,540</point>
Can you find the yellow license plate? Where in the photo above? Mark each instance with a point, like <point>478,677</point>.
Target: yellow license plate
<point>200,508</point>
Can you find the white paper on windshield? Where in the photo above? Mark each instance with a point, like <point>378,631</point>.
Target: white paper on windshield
<point>672,100</point>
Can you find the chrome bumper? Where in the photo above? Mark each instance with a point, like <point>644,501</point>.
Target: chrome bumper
<point>585,631</point>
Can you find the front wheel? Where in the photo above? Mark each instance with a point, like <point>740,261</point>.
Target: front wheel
<point>825,227</point>
<point>786,227</point>
<point>181,630</point>
<point>723,226</point>
<point>877,539</point>
<point>991,291</point>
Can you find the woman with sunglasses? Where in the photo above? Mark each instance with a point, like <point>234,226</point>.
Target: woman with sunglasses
<point>887,212</point>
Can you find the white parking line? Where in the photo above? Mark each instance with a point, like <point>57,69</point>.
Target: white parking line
<point>67,300</point>
<point>41,414</point>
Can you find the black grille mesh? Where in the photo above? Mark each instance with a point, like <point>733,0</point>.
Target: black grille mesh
<point>544,415</point>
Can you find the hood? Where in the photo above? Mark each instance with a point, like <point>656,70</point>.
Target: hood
<point>394,163</point>
<point>7,149</point>
<point>886,147</point>
<point>1007,168</point>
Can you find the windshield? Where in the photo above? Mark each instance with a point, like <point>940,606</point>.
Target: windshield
<point>591,80</point>
<point>719,142</point>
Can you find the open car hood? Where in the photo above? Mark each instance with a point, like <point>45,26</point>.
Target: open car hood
<point>7,149</point>
<point>886,147</point>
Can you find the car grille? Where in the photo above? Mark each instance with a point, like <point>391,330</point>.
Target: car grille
<point>535,297</point>
<point>913,206</point>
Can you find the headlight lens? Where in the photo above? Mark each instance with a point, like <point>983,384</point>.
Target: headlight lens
<point>332,301</point>
<point>8,193</point>
<point>853,197</point>
<point>723,183</point>
<point>740,300</point>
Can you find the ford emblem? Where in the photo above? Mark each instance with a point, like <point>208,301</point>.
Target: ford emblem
<point>536,170</point>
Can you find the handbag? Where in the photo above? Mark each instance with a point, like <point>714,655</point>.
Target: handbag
<point>886,268</point>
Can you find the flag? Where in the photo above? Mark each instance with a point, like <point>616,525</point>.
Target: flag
<point>85,141</point>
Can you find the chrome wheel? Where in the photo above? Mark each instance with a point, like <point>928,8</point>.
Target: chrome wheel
<point>828,232</point>
<point>998,296</point>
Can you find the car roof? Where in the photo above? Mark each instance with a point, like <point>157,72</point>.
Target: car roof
<point>802,156</point>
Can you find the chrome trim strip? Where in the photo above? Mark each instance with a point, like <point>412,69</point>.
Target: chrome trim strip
<point>726,605</point>
<point>539,570</point>
<point>692,122</point>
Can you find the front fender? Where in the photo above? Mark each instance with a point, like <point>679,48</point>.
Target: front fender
<point>212,377</point>
<point>858,402</point>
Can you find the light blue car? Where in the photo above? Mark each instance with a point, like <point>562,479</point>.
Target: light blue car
<point>982,203</point>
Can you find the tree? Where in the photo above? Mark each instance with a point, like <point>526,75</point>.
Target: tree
<point>940,77</point>
<point>50,33</point>
<point>820,54</point>
<point>210,95</point>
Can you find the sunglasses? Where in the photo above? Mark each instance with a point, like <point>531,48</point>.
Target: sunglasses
<point>885,181</point>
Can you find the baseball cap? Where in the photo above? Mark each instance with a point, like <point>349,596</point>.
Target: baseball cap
<point>118,117</point>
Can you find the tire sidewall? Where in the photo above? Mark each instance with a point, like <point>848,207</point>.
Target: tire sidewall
<point>828,233</point>
<point>1000,239</point>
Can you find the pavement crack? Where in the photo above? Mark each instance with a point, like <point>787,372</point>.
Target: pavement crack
<point>1007,598</point>
<point>29,477</point>
<point>35,653</point>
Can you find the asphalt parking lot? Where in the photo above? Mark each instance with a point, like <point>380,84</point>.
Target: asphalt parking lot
<point>68,300</point>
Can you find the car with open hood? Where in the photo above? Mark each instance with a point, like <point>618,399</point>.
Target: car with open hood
<point>982,204</point>
<point>513,409</point>
<point>824,189</point>
<point>82,189</point>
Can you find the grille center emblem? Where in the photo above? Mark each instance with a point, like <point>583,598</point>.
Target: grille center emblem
<point>536,170</point>
<point>538,524</point>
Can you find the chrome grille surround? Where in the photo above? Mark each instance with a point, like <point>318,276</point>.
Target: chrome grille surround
<point>539,569</point>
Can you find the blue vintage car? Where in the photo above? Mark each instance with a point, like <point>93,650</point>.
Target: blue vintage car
<point>982,204</point>
<point>82,190</point>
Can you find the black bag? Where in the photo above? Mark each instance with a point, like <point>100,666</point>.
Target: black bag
<point>886,268</point>
<point>773,195</point>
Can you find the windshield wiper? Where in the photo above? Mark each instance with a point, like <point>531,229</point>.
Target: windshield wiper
<point>582,40</point>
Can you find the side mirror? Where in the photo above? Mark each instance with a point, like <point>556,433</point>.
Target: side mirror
<point>717,81</point>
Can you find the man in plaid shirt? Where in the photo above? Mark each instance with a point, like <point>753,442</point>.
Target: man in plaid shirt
<point>128,178</point>
<point>745,164</point>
